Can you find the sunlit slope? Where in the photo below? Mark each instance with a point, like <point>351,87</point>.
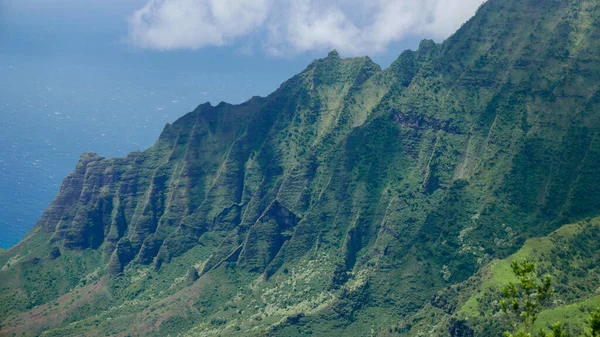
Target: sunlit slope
<point>571,255</point>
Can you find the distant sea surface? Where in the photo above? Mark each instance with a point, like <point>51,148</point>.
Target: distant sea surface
<point>50,116</point>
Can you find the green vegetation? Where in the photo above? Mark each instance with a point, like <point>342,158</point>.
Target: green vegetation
<point>351,201</point>
<point>557,331</point>
<point>522,302</point>
<point>569,255</point>
<point>595,323</point>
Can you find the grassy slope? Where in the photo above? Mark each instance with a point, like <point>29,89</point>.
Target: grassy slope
<point>570,255</point>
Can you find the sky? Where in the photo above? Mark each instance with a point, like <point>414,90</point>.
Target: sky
<point>105,76</point>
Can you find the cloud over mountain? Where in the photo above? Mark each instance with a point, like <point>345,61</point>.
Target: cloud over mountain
<point>290,26</point>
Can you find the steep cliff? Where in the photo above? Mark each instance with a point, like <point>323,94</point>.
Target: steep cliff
<point>342,202</point>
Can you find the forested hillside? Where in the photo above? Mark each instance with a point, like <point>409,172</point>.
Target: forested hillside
<point>352,201</point>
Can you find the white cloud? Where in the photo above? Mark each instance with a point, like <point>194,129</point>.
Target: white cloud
<point>184,24</point>
<point>288,26</point>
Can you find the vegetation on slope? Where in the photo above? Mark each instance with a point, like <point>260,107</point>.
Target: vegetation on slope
<point>350,199</point>
<point>570,255</point>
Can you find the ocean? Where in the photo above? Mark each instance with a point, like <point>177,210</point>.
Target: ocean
<point>49,116</point>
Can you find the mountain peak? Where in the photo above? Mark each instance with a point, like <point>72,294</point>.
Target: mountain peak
<point>333,54</point>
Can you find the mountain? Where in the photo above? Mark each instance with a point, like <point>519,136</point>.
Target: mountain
<point>570,255</point>
<point>351,201</point>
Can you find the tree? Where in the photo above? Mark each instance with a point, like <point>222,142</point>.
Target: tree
<point>523,301</point>
<point>594,323</point>
<point>557,331</point>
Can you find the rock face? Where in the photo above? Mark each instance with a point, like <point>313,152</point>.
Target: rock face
<point>350,192</point>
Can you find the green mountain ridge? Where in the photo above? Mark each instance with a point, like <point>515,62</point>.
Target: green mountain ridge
<point>570,254</point>
<point>347,202</point>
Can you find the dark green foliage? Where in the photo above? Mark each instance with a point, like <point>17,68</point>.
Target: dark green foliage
<point>594,323</point>
<point>522,302</point>
<point>459,328</point>
<point>54,253</point>
<point>191,276</point>
<point>557,331</point>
